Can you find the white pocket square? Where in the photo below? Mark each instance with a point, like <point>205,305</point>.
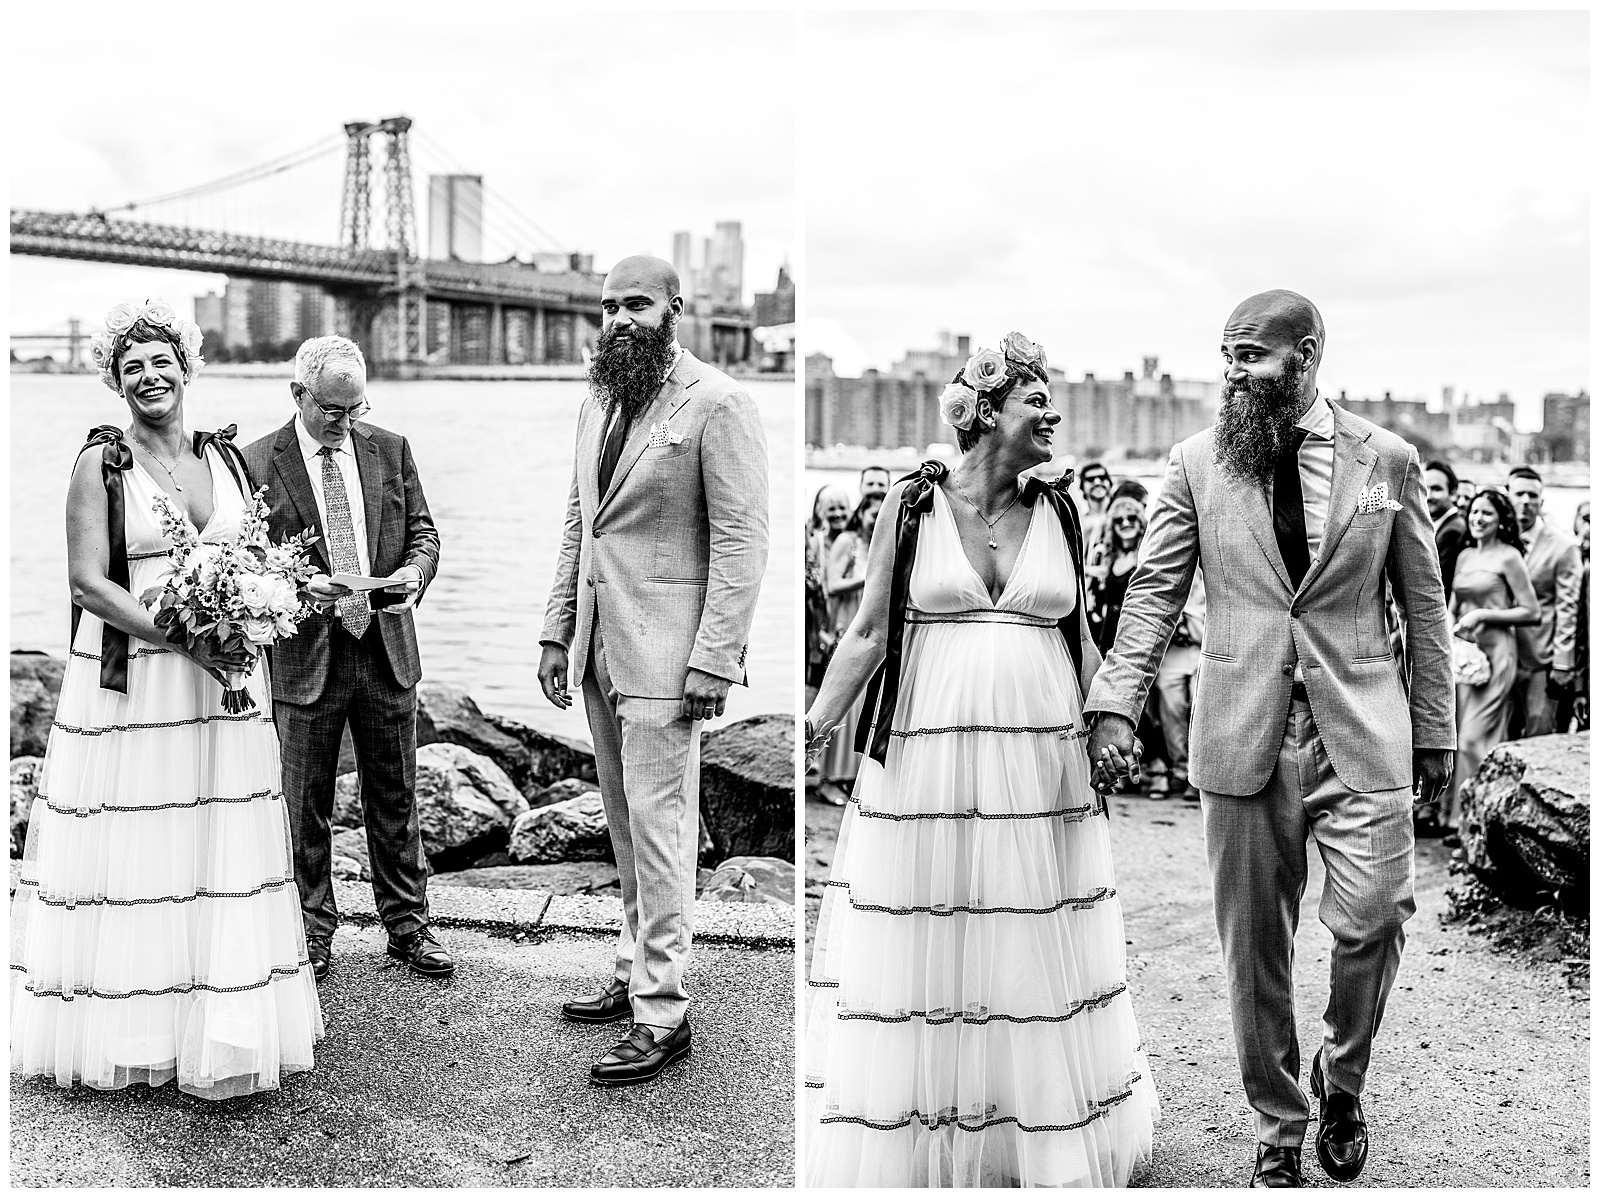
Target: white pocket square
<point>1375,499</point>
<point>661,435</point>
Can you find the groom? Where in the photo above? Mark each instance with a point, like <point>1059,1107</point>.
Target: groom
<point>355,661</point>
<point>655,588</point>
<point>1297,512</point>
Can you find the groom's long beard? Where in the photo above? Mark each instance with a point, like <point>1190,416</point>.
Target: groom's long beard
<point>1254,420</point>
<point>628,370</point>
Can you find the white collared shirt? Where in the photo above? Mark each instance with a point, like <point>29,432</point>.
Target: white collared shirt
<point>1316,470</point>
<point>344,457</point>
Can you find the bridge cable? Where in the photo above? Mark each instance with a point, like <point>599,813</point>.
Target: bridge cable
<point>286,162</point>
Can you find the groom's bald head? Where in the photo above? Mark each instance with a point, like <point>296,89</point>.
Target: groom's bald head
<point>1283,317</point>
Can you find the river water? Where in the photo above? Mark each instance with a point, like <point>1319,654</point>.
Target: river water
<point>495,460</point>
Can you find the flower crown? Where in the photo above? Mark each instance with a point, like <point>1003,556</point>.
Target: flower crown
<point>991,373</point>
<point>103,346</point>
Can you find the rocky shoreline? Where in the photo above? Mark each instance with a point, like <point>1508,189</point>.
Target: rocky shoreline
<point>504,805</point>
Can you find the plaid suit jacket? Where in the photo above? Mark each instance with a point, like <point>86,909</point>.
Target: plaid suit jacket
<point>400,532</point>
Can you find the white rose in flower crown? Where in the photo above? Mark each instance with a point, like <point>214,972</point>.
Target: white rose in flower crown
<point>260,632</point>
<point>121,318</point>
<point>191,336</point>
<point>985,370</point>
<point>255,592</point>
<point>1019,349</point>
<point>958,406</point>
<point>159,312</point>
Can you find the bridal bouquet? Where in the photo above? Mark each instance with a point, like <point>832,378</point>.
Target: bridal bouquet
<point>234,597</point>
<point>1468,662</point>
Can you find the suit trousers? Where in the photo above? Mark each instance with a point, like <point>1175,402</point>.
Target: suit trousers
<point>647,757</point>
<point>382,716</point>
<point>1256,849</point>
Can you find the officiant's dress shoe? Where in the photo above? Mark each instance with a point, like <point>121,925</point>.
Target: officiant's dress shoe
<point>641,1057</point>
<point>320,954</point>
<point>422,953</point>
<point>1342,1131</point>
<point>1276,1168</point>
<point>608,1006</point>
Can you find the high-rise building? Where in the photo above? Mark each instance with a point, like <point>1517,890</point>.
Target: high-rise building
<point>1566,426</point>
<point>725,262</point>
<point>208,315</point>
<point>455,217</point>
<point>776,307</point>
<point>236,300</point>
<point>683,261</point>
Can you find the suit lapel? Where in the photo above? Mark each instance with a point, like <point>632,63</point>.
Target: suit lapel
<point>1251,500</point>
<point>297,483</point>
<point>669,399</point>
<point>369,466</point>
<point>1353,462</point>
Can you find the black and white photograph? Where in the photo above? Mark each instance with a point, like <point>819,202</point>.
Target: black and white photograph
<point>403,472</point>
<point>1197,507</point>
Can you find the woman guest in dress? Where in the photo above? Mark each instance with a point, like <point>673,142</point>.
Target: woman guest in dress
<point>1493,594</point>
<point>971,1023</point>
<point>1112,559</point>
<point>845,574</point>
<point>156,929</point>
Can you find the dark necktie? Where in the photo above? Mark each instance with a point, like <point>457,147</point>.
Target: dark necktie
<point>611,450</point>
<point>1289,508</point>
<point>354,610</point>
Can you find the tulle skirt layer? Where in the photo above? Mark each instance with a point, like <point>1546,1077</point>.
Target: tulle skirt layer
<point>970,1020</point>
<point>156,929</point>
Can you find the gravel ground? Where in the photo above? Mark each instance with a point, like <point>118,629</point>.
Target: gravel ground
<point>471,1082</point>
<point>1480,1073</point>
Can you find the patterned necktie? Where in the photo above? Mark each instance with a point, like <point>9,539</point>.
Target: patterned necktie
<point>354,609</point>
<point>611,449</point>
<point>1289,508</point>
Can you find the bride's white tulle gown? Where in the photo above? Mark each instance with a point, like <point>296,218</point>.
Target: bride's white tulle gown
<point>156,930</point>
<point>970,1019</point>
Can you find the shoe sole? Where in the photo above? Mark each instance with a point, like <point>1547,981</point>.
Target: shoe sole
<point>427,973</point>
<point>622,1014</point>
<point>614,1083</point>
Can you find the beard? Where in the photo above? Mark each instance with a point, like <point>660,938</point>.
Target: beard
<point>1254,420</point>
<point>627,371</point>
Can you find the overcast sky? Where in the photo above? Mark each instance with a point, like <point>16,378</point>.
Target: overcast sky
<point>1111,185</point>
<point>610,130</point>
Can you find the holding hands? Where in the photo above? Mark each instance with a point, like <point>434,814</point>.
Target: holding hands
<point>1114,752</point>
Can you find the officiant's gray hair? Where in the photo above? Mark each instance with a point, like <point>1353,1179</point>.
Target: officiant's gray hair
<point>330,354</point>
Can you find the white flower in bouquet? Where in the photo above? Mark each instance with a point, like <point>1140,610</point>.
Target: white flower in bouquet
<point>262,632</point>
<point>255,592</point>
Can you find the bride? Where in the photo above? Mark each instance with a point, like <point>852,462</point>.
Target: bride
<point>156,928</point>
<point>970,1018</point>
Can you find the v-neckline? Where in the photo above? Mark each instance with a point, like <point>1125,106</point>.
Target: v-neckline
<point>216,502</point>
<point>955,531</point>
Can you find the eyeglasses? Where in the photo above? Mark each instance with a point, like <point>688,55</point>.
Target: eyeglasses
<point>334,415</point>
<point>1097,480</point>
<point>1126,520</point>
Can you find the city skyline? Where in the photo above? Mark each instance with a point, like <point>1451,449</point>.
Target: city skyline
<point>540,125</point>
<point>1423,177</point>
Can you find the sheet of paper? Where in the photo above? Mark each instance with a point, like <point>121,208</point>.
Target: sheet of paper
<point>360,582</point>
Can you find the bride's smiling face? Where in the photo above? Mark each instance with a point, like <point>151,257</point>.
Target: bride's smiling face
<point>1026,422</point>
<point>151,377</point>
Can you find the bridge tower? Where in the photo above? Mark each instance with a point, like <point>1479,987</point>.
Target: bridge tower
<point>355,210</point>
<point>400,224</point>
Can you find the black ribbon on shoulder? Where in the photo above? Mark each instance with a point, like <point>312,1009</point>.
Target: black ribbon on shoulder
<point>232,458</point>
<point>115,458</point>
<point>916,501</point>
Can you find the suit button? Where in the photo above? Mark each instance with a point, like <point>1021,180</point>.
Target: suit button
<point>590,581</point>
<point>1288,671</point>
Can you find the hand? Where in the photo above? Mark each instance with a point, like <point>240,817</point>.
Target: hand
<point>407,580</point>
<point>553,674</point>
<point>1471,621</point>
<point>1113,751</point>
<point>1430,774</point>
<point>1560,683</point>
<point>325,592</point>
<point>704,695</point>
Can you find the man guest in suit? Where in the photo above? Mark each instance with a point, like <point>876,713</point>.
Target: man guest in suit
<point>655,588</point>
<point>356,660</point>
<point>1449,524</point>
<point>1298,512</point>
<point>1546,651</point>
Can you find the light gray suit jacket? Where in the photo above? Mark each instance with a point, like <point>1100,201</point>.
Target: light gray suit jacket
<point>1555,566</point>
<point>671,557</point>
<point>1258,625</point>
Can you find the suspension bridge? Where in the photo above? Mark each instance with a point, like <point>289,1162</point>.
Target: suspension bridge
<point>409,313</point>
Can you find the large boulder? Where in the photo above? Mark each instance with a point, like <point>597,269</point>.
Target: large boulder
<point>465,805</point>
<point>747,789</point>
<point>1525,821</point>
<point>35,687</point>
<point>560,792</point>
<point>24,789</point>
<point>751,880</point>
<point>350,848</point>
<point>532,759</point>
<point>574,830</point>
<point>565,877</point>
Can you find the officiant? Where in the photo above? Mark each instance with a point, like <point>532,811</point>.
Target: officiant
<point>355,662</point>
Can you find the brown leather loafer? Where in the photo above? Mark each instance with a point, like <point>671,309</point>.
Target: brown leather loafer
<point>320,954</point>
<point>1276,1168</point>
<point>641,1057</point>
<point>607,1006</point>
<point>422,953</point>
<point>1342,1128</point>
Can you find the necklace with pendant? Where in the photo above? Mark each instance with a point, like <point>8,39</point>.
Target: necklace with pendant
<point>163,465</point>
<point>993,544</point>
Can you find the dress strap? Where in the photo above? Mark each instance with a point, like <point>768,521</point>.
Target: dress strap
<point>231,456</point>
<point>115,459</point>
